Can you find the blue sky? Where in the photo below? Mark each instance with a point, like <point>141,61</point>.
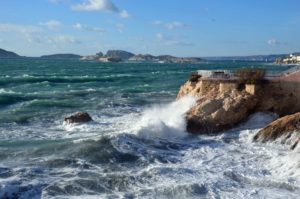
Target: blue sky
<point>176,27</point>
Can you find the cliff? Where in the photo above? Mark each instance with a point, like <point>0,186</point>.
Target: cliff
<point>8,54</point>
<point>223,104</point>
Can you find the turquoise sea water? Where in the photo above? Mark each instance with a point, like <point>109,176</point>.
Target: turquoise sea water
<point>129,151</point>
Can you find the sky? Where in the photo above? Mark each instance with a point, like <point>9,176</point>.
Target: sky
<point>176,27</point>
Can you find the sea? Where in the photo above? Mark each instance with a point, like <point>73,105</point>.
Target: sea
<point>137,146</point>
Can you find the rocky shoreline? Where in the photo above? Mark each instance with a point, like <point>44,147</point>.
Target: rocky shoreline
<point>225,103</point>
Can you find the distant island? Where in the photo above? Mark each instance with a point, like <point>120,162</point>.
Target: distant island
<point>8,54</point>
<point>124,56</point>
<point>61,56</point>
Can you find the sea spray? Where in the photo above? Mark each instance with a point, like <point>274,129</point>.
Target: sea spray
<point>165,121</point>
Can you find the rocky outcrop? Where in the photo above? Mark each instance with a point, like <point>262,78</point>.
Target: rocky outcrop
<point>80,117</point>
<point>120,54</point>
<point>285,129</point>
<point>143,58</point>
<point>223,104</point>
<point>219,111</point>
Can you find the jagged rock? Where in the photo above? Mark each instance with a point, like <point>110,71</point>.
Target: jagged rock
<point>216,113</point>
<point>285,129</point>
<point>80,117</point>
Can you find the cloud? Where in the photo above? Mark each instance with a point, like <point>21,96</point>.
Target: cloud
<point>34,34</point>
<point>62,39</point>
<point>157,22</point>
<point>124,14</point>
<point>120,27</point>
<point>100,5</point>
<point>170,25</point>
<point>52,24</point>
<point>96,5</point>
<point>166,40</point>
<point>160,36</point>
<point>31,33</point>
<point>274,42</point>
<point>79,26</point>
<point>174,25</point>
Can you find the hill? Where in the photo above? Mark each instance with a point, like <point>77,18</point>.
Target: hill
<point>8,54</point>
<point>61,56</point>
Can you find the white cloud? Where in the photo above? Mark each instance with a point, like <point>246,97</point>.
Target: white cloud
<point>170,41</point>
<point>124,14</point>
<point>120,27</point>
<point>159,36</point>
<point>62,39</point>
<point>18,28</point>
<point>79,26</point>
<point>170,25</point>
<point>34,34</point>
<point>157,22</point>
<point>52,24</point>
<point>31,33</point>
<point>274,42</point>
<point>174,25</point>
<point>100,5</point>
<point>96,5</point>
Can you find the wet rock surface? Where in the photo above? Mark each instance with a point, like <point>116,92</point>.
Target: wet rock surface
<point>285,129</point>
<point>80,117</point>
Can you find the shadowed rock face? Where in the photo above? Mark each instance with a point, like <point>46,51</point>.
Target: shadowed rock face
<point>285,129</point>
<point>80,117</point>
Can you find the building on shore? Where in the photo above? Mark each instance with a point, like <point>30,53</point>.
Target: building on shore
<point>292,59</point>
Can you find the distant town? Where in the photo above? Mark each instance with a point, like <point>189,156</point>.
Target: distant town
<point>292,59</point>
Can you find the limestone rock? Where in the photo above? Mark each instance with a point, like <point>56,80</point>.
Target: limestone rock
<point>220,113</point>
<point>285,129</point>
<point>80,117</point>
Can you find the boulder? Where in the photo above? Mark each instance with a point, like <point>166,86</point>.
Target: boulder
<point>285,129</point>
<point>80,117</point>
<point>221,112</point>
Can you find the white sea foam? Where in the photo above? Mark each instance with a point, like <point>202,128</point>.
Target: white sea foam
<point>5,91</point>
<point>165,121</point>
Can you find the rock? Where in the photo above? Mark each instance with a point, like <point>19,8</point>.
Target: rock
<point>80,117</point>
<point>285,129</point>
<point>120,54</point>
<point>213,114</point>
